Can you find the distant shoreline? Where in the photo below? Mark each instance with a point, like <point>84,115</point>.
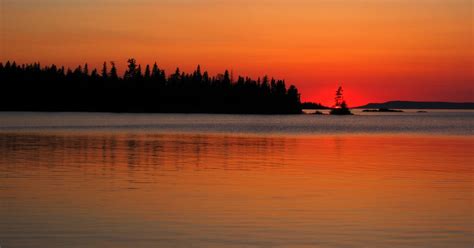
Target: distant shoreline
<point>418,105</point>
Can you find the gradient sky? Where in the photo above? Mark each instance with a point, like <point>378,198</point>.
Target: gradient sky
<point>377,50</point>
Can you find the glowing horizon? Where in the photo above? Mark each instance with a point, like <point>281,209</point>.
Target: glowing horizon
<point>377,50</point>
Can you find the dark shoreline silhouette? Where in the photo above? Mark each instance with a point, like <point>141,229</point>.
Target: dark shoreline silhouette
<point>382,110</point>
<point>313,105</point>
<point>30,87</point>
<point>419,105</point>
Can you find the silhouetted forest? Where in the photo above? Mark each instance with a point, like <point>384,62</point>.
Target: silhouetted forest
<point>30,87</point>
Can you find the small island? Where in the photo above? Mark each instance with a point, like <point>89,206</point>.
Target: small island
<point>340,107</point>
<point>382,110</point>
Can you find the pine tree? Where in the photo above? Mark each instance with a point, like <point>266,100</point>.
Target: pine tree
<point>131,72</point>
<point>86,70</point>
<point>113,72</point>
<point>147,72</point>
<point>104,73</point>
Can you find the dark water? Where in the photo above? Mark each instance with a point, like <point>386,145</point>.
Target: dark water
<point>110,180</point>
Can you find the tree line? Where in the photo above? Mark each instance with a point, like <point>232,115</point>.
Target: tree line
<point>31,87</point>
<point>313,105</point>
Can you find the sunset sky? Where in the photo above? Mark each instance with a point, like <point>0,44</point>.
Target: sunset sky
<point>378,50</point>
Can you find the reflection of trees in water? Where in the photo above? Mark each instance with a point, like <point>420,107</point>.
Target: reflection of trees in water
<point>338,143</point>
<point>143,152</point>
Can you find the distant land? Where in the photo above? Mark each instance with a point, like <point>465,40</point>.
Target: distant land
<point>313,105</point>
<point>419,105</point>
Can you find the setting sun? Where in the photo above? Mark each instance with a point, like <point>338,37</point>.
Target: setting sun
<point>380,50</point>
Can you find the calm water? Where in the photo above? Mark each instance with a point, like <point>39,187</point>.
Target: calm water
<point>447,122</point>
<point>155,180</point>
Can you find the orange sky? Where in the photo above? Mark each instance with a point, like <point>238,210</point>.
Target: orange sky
<point>377,50</point>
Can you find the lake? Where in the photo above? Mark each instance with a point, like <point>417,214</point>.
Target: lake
<point>199,180</point>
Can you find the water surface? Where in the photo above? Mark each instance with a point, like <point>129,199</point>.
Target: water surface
<point>446,122</point>
<point>121,180</point>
